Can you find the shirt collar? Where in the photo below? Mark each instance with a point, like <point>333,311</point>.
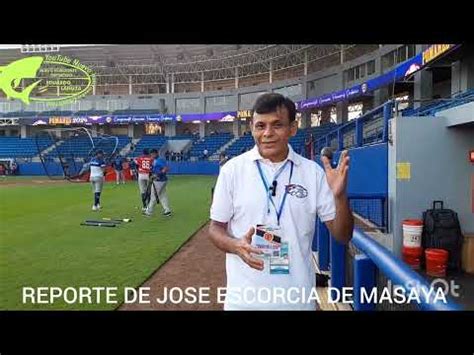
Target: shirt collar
<point>292,156</point>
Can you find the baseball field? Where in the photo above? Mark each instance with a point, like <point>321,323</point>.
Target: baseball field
<point>42,243</point>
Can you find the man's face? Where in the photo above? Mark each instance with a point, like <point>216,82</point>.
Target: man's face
<point>100,155</point>
<point>272,132</point>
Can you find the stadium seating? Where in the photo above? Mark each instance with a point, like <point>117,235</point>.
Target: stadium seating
<point>297,142</point>
<point>184,136</point>
<point>241,145</point>
<point>80,147</point>
<point>148,141</point>
<point>436,106</point>
<point>91,113</point>
<point>14,147</point>
<point>55,113</point>
<point>212,143</point>
<point>21,114</point>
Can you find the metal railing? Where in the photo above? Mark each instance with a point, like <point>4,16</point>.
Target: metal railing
<point>372,257</point>
<point>357,126</point>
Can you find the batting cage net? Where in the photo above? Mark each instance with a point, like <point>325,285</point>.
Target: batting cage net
<point>65,153</point>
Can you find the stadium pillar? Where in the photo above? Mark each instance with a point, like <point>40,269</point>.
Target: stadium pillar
<point>422,87</point>
<point>131,130</point>
<point>23,131</point>
<point>423,84</point>
<point>202,129</point>
<point>367,105</point>
<point>94,130</point>
<point>130,91</point>
<point>467,72</point>
<point>236,127</point>
<point>305,119</point>
<point>236,77</point>
<point>325,115</point>
<point>462,74</point>
<point>455,77</point>
<point>107,130</point>
<point>270,77</point>
<point>342,113</point>
<point>380,96</point>
<point>305,63</point>
<point>170,129</point>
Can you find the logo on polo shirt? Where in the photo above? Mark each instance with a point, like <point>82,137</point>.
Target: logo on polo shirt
<point>296,190</point>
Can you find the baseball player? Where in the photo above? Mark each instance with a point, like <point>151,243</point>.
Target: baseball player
<point>118,166</point>
<point>144,163</point>
<point>158,188</point>
<point>97,168</point>
<point>133,169</point>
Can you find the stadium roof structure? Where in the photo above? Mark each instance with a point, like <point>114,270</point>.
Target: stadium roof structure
<point>188,63</point>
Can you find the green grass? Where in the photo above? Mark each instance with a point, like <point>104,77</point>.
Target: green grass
<point>43,244</point>
<point>9,178</point>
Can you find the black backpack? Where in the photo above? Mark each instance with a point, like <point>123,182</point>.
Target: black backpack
<point>441,229</point>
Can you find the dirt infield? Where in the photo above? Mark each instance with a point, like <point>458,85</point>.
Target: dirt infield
<point>197,264</point>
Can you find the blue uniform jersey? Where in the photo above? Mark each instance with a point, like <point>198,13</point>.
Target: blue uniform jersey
<point>118,163</point>
<point>97,166</point>
<point>158,165</point>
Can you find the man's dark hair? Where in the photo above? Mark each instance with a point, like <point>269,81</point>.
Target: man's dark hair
<point>146,151</point>
<point>154,151</point>
<point>272,102</point>
<point>99,152</point>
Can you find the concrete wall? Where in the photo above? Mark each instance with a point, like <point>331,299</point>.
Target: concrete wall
<point>458,115</point>
<point>440,170</point>
<point>442,88</point>
<point>324,85</point>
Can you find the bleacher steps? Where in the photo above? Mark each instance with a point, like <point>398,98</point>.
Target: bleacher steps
<point>36,158</point>
<point>216,155</point>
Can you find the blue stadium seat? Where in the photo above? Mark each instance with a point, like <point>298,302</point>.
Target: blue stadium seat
<point>432,108</point>
<point>14,147</point>
<point>80,147</point>
<point>149,141</point>
<point>297,142</point>
<point>212,143</point>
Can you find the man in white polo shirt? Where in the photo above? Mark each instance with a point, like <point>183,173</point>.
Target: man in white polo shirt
<point>273,186</point>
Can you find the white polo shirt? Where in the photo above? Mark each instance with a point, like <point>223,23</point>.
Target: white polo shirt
<point>240,200</point>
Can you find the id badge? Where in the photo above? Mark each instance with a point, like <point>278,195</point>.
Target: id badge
<point>280,261</point>
<point>276,256</point>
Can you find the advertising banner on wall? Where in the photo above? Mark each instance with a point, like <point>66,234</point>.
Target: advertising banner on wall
<point>402,71</point>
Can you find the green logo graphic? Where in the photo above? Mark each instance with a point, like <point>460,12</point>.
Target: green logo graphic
<point>54,79</point>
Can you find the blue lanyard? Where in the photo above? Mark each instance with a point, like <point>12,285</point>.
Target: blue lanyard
<point>268,190</point>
